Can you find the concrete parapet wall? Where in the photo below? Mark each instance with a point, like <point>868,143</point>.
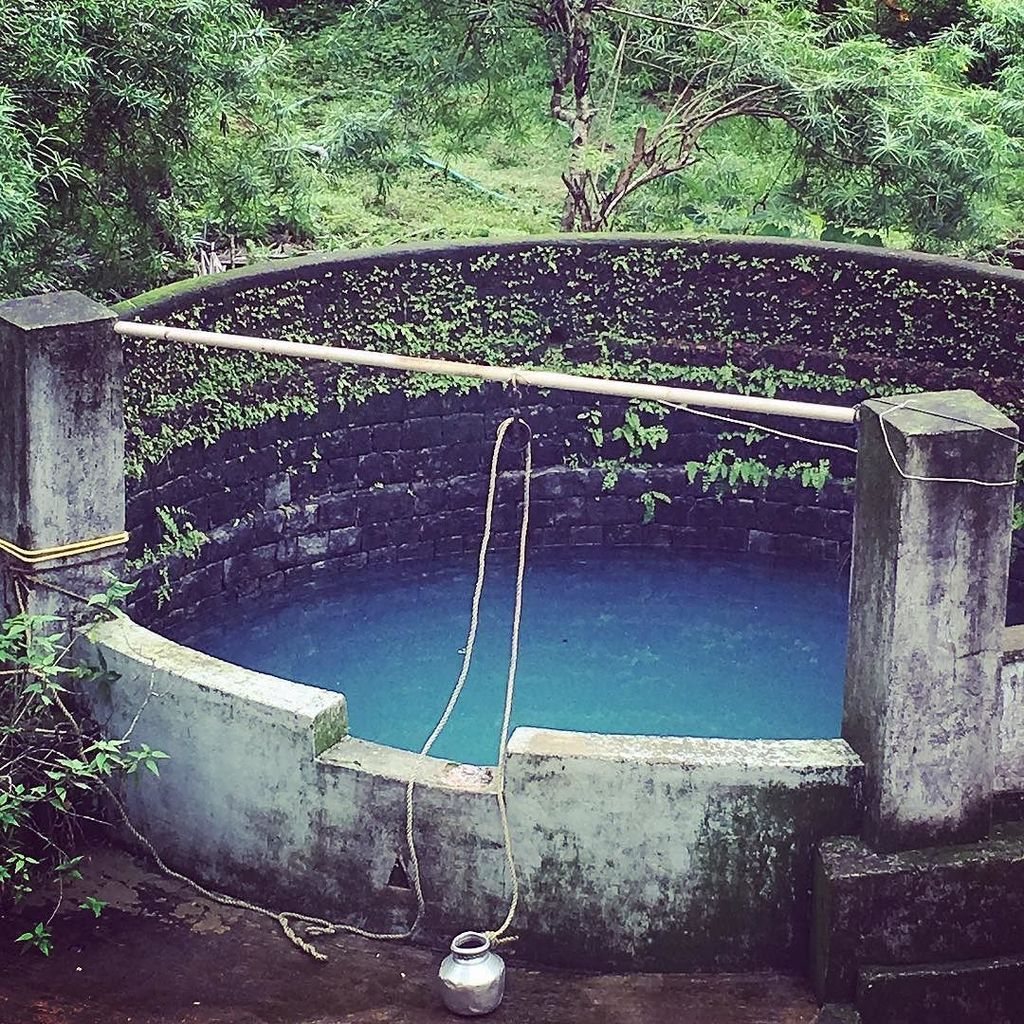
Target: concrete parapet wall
<point>240,744</point>
<point>671,852</point>
<point>1010,758</point>
<point>654,853</point>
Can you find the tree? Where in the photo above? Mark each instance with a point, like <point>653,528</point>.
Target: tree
<point>883,135</point>
<point>113,117</point>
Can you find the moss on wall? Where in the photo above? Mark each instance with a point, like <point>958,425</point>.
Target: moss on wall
<point>609,301</point>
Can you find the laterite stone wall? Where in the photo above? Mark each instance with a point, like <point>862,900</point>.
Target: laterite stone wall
<point>405,478</point>
<point>270,457</point>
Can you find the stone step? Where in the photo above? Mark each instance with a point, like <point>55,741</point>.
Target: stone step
<point>972,992</point>
<point>947,904</point>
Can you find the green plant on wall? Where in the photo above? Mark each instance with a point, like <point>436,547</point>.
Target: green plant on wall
<point>1018,508</point>
<point>649,502</point>
<point>57,768</point>
<point>640,437</point>
<point>179,538</point>
<point>592,419</point>
<point>659,314</point>
<point>726,471</point>
<point>641,440</point>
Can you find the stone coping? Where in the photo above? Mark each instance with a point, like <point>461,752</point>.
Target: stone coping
<point>280,701</point>
<point>183,293</point>
<point>686,751</point>
<point>400,765</point>
<point>1013,644</point>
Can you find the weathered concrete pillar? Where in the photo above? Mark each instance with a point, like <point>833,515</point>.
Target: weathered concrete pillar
<point>927,612</point>
<point>61,442</point>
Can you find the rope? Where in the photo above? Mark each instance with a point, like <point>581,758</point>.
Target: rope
<point>760,427</point>
<point>513,663</point>
<point>47,585</point>
<point>474,622</point>
<point>939,479</point>
<point>319,926</point>
<point>78,547</point>
<point>894,408</point>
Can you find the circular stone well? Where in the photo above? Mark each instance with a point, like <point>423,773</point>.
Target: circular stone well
<point>648,852</point>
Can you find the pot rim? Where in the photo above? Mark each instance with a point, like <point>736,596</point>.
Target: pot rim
<point>470,944</point>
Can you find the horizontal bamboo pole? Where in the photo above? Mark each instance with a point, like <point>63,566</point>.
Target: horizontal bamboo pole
<point>505,375</point>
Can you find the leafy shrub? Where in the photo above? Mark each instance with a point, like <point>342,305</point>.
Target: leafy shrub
<point>56,767</point>
<point>118,118</point>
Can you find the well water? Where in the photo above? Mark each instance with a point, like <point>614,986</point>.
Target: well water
<point>613,641</point>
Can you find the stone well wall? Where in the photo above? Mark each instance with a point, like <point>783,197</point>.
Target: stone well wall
<point>405,478</point>
<point>842,300</point>
<point>845,313</point>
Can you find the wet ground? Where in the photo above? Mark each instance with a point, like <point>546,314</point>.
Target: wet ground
<point>162,955</point>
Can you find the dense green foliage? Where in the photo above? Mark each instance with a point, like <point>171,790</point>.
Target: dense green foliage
<point>875,135</point>
<point>770,321</point>
<point>134,135</point>
<point>810,121</point>
<point>125,127</point>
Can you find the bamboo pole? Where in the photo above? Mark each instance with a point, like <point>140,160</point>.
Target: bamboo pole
<point>505,375</point>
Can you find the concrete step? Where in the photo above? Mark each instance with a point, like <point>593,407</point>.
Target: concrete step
<point>972,992</point>
<point>946,904</point>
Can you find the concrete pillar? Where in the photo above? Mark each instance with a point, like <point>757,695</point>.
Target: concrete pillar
<point>61,441</point>
<point>927,612</point>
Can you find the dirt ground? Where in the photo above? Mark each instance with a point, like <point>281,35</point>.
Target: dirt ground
<point>162,955</point>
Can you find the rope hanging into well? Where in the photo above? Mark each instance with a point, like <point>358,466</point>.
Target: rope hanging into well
<point>319,926</point>
<point>474,622</point>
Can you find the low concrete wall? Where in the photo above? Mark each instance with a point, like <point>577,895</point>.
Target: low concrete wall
<point>669,853</point>
<point>649,853</point>
<point>1010,762</point>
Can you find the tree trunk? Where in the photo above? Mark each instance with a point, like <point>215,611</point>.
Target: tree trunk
<point>573,21</point>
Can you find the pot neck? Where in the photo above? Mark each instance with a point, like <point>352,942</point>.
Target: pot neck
<point>469,946</point>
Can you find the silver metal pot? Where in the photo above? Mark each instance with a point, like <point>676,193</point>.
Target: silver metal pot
<point>472,978</point>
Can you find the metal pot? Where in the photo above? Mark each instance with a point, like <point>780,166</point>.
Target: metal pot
<point>472,978</point>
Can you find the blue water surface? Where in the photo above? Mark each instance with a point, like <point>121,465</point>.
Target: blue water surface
<point>613,641</point>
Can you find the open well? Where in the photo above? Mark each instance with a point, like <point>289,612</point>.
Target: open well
<point>657,852</point>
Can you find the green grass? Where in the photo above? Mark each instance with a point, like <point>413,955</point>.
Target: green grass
<point>421,204</point>
<point>337,73</point>
<point>334,75</point>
